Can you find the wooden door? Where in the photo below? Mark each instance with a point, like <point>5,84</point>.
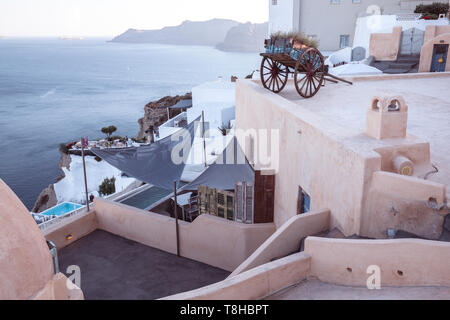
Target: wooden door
<point>439,61</point>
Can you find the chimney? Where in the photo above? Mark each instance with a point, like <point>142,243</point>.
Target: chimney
<point>387,117</point>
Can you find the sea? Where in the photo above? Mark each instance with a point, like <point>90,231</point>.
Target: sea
<point>54,91</point>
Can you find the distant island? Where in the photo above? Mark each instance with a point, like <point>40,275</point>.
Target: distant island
<point>226,35</point>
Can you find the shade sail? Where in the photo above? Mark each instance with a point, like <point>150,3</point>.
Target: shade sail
<point>153,163</point>
<point>229,168</point>
<point>182,104</point>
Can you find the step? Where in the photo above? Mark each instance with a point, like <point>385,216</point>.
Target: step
<point>413,62</point>
<point>408,60</point>
<point>412,56</point>
<point>406,66</point>
<point>395,71</point>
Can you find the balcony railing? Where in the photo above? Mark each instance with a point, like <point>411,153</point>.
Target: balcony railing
<point>46,225</point>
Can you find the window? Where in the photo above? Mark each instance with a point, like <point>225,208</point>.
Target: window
<point>303,202</point>
<point>344,41</point>
<point>356,1</point>
<point>274,2</point>
<point>335,1</point>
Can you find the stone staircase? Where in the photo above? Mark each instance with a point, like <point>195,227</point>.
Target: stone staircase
<point>403,64</point>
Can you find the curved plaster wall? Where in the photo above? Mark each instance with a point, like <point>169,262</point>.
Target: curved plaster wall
<point>25,261</point>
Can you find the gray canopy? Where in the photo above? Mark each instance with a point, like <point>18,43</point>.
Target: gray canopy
<point>182,104</point>
<point>229,168</point>
<point>153,163</point>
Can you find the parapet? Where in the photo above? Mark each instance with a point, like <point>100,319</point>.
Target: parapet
<point>387,117</point>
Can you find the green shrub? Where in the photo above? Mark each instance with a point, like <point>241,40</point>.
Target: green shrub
<point>116,138</point>
<point>436,8</point>
<point>107,187</point>
<point>430,16</point>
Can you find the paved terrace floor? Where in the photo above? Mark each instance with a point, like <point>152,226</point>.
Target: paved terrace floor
<point>317,290</point>
<point>345,107</point>
<point>116,268</point>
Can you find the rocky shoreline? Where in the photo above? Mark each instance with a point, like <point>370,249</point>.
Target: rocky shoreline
<point>47,198</point>
<point>155,114</point>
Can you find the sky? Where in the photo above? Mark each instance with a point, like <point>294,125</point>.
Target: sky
<point>112,17</point>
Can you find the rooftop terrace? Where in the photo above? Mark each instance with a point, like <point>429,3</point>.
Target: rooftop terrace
<point>116,268</point>
<point>342,112</point>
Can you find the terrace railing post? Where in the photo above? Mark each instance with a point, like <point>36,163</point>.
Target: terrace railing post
<point>204,137</point>
<point>175,210</point>
<point>85,177</point>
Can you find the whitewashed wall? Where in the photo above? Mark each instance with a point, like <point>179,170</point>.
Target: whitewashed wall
<point>365,26</point>
<point>282,16</point>
<point>217,99</point>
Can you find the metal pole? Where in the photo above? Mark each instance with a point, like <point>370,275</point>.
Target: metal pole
<point>176,216</point>
<point>204,136</point>
<point>85,177</point>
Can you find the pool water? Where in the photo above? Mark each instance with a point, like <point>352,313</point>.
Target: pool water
<point>62,209</point>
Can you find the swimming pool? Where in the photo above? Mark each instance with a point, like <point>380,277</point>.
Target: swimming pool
<point>62,209</point>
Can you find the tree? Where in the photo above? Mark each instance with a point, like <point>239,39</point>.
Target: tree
<point>109,131</point>
<point>107,187</point>
<point>436,8</point>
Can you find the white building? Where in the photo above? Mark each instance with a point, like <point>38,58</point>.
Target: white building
<point>284,15</point>
<point>217,99</point>
<point>332,22</point>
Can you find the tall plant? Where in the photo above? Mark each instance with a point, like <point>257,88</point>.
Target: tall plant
<point>109,131</point>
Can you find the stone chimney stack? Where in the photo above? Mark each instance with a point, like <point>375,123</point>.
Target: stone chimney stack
<point>387,117</point>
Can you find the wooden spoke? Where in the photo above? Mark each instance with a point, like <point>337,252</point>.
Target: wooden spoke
<point>310,70</point>
<point>274,75</point>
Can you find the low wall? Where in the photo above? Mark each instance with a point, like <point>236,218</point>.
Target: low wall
<point>256,283</point>
<point>77,227</point>
<point>386,46</point>
<point>402,203</point>
<point>410,188</point>
<point>211,240</point>
<point>286,240</point>
<point>57,289</point>
<point>406,262</point>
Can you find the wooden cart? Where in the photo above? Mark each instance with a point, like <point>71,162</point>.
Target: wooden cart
<point>307,65</point>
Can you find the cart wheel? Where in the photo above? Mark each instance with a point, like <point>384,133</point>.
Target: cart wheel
<point>274,75</point>
<point>309,73</point>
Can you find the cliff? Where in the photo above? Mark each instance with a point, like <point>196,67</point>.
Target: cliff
<point>204,33</point>
<point>245,37</point>
<point>155,113</point>
<point>225,35</point>
<point>47,199</point>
